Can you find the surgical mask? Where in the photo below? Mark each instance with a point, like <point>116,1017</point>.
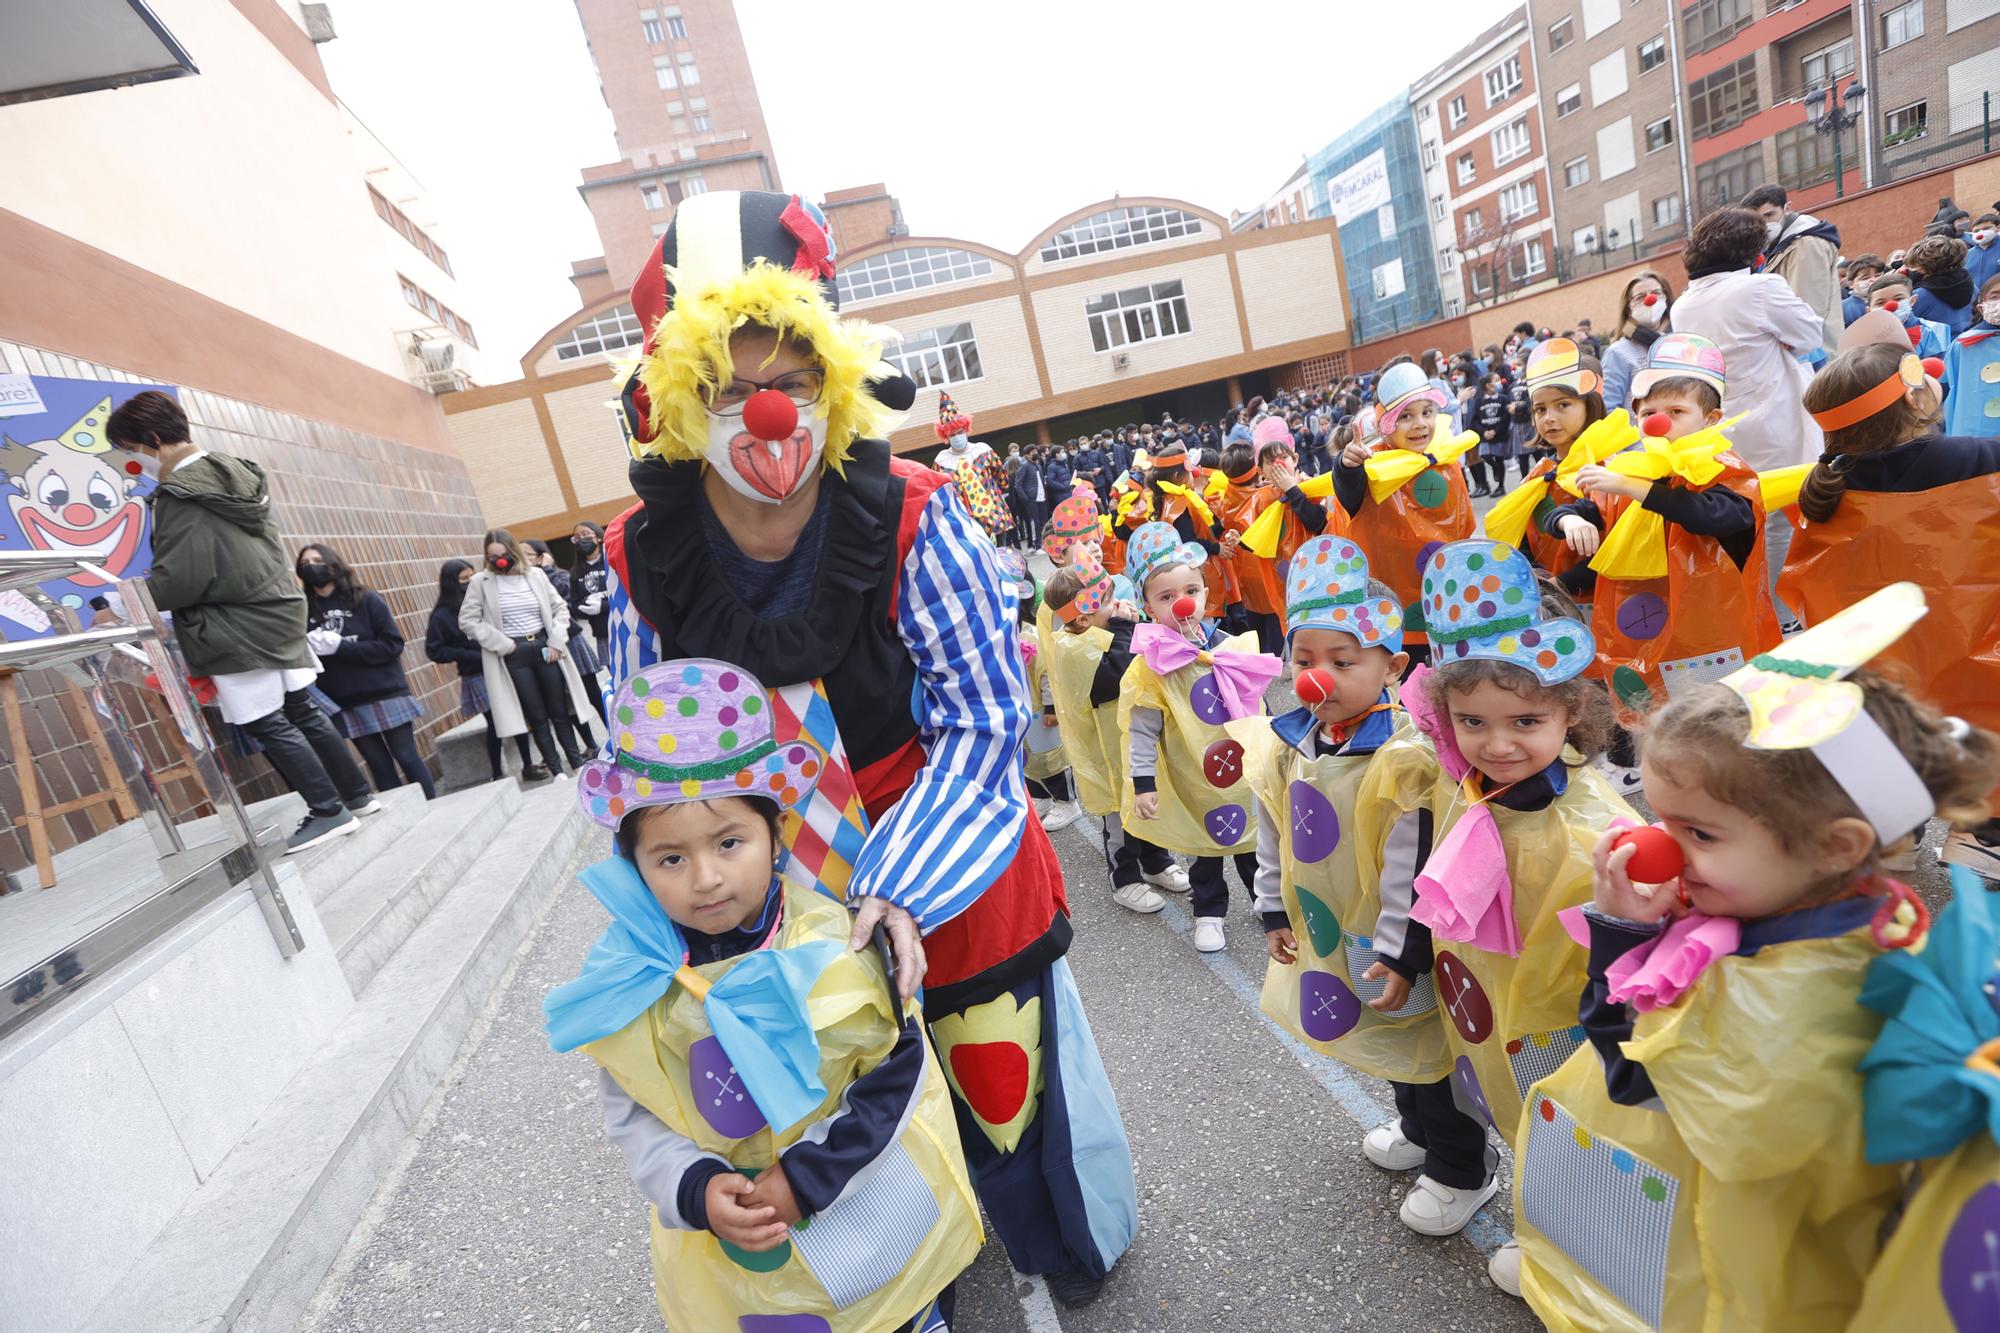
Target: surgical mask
<point>1982,237</point>
<point>585,547</point>
<point>1990,311</point>
<point>315,575</point>
<point>960,441</point>
<point>1771,230</point>
<point>1649,315</point>
<point>137,464</point>
<point>767,471</point>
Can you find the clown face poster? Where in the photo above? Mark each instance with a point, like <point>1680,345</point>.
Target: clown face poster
<point>63,488</point>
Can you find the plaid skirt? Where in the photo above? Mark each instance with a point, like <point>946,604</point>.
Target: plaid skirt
<point>472,700</point>
<point>381,715</point>
<point>585,656</point>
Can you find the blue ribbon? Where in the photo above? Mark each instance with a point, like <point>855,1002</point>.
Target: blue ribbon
<point>757,1009</point>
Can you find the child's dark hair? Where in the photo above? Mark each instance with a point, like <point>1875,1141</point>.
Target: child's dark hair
<point>1687,386</point>
<point>626,839</point>
<point>1697,740</point>
<point>1895,277</point>
<point>1062,587</point>
<point>1237,459</point>
<point>1845,378</point>
<point>1588,706</point>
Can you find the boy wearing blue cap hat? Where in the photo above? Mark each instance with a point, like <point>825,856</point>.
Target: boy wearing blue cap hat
<point>1344,828</point>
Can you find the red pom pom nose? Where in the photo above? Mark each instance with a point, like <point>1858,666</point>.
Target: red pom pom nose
<point>1934,367</point>
<point>1652,298</point>
<point>1656,423</point>
<point>769,415</point>
<point>1184,608</point>
<point>1658,860</point>
<point>1892,306</point>
<point>1314,687</point>
<point>1916,335</point>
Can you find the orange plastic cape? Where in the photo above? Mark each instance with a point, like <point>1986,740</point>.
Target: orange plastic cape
<point>1947,541</point>
<point>1255,576</point>
<point>1657,637</point>
<point>1218,572</point>
<point>1400,531</point>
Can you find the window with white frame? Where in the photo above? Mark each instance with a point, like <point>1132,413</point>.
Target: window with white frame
<point>1468,169</point>
<point>690,76</point>
<point>1576,171</point>
<point>1828,63</point>
<point>1666,210</point>
<point>650,194</point>
<point>1584,240</point>
<point>1137,314</point>
<point>680,126</point>
<point>1431,152</point>
<point>1906,123</point>
<point>1385,220</point>
<point>693,185</point>
<point>1530,261</point>
<point>1561,33</point>
<point>1447,259</point>
<point>663,71</point>
<point>1510,141</point>
<point>1503,80</point>
<point>1569,100</point>
<point>945,355</point>
<point>1438,207</point>
<point>1660,134</point>
<point>1118,229</point>
<point>697,104</point>
<point>676,107</point>
<point>704,122</point>
<point>611,330</point>
<point>1388,279</point>
<point>1518,201</point>
<point>1652,53</point>
<point>907,270</point>
<point>649,24</point>
<point>1482,279</point>
<point>1455,112</point>
<point>1474,224</point>
<point>677,27</point>
<point>1903,23</point>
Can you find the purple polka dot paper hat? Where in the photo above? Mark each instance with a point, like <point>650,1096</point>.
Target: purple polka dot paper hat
<point>1327,588</point>
<point>694,730</point>
<point>1480,601</point>
<point>1153,548</point>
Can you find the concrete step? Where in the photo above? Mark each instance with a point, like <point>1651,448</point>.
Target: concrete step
<point>331,864</point>
<point>248,1251</point>
<point>371,913</point>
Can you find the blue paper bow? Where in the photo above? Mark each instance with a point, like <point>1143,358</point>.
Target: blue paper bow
<point>757,1009</point>
<point>1920,1098</point>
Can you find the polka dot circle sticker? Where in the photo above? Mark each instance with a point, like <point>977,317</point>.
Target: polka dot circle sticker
<point>1642,616</point>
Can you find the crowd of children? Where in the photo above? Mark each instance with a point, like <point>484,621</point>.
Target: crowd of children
<point>1664,1024</point>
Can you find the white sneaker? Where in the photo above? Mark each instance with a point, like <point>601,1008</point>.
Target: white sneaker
<point>1386,1146</point>
<point>1208,934</point>
<point>1431,1209</point>
<point>1961,848</point>
<point>1138,898</point>
<point>1173,879</point>
<point>1061,815</point>
<point>1626,781</point>
<point>1505,1268</point>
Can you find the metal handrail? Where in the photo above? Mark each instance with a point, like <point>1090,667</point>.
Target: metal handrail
<point>191,877</point>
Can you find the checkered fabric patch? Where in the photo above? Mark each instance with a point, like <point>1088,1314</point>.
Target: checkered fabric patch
<point>870,1236</point>
<point>824,839</point>
<point>1423,991</point>
<point>1539,1054</point>
<point>1608,1209</point>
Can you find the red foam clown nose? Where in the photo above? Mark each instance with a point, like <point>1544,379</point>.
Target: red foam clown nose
<point>769,415</point>
<point>1656,423</point>
<point>1659,859</point>
<point>1892,306</point>
<point>1314,687</point>
<point>1184,607</point>
<point>1934,367</point>
<point>1916,335</point>
<point>1652,298</point>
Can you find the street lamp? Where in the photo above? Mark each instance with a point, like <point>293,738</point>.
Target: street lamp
<point>1828,116</point>
<point>1607,245</point>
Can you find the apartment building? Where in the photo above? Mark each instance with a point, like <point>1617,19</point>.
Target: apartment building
<point>1615,131</point>
<point>1488,195</point>
<point>1370,180</point>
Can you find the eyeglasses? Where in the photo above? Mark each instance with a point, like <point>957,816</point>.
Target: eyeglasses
<point>803,387</point>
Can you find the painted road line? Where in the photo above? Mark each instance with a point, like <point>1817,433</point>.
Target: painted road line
<point>1037,1306</point>
<point>1484,1233</point>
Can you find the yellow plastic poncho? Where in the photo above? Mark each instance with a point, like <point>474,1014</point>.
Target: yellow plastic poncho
<point>843,1265</point>
<point>1045,753</point>
<point>1206,808</point>
<point>1941,1268</point>
<point>1334,814</point>
<point>1745,1203</point>
<point>1512,1021</point>
<point>1091,739</point>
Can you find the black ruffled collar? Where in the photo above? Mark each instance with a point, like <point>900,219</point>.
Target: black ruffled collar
<point>679,587</point>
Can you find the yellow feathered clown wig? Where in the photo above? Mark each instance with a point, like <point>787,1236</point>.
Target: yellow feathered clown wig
<point>729,259</point>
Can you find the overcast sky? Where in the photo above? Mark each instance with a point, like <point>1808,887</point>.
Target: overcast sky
<point>987,120</point>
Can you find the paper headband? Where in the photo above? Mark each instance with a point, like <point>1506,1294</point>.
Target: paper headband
<point>1908,375</point>
<point>1799,699</point>
<point>1096,592</point>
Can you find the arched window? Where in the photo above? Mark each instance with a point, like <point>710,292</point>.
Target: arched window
<point>1116,229</point>
<point>612,330</point>
<point>906,270</point>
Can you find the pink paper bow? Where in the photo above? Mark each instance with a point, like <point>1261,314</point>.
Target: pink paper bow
<point>1655,974</point>
<point>1240,678</point>
<point>1417,703</point>
<point>1028,650</point>
<point>1464,893</point>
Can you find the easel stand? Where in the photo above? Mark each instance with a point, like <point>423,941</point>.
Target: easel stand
<point>37,815</point>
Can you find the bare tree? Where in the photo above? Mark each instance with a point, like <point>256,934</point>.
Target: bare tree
<point>1497,264</point>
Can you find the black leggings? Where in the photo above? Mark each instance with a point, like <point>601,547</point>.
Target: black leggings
<point>544,698</point>
<point>1055,787</point>
<point>385,751</point>
<point>493,748</point>
<point>596,697</point>
<point>1211,891</point>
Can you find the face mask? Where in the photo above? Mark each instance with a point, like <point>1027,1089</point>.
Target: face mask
<point>137,464</point>
<point>762,470</point>
<point>585,547</point>
<point>316,575</point>
<point>501,563</point>
<point>959,442</point>
<point>1648,315</point>
<point>1982,237</point>
<point>1990,311</point>
<point>1771,230</point>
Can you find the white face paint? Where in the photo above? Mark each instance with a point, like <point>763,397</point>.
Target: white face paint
<point>765,471</point>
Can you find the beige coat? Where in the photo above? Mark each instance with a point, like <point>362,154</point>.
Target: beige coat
<point>479,620</point>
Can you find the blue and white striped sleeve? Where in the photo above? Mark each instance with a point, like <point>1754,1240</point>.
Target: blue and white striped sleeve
<point>633,644</point>
<point>949,837</point>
